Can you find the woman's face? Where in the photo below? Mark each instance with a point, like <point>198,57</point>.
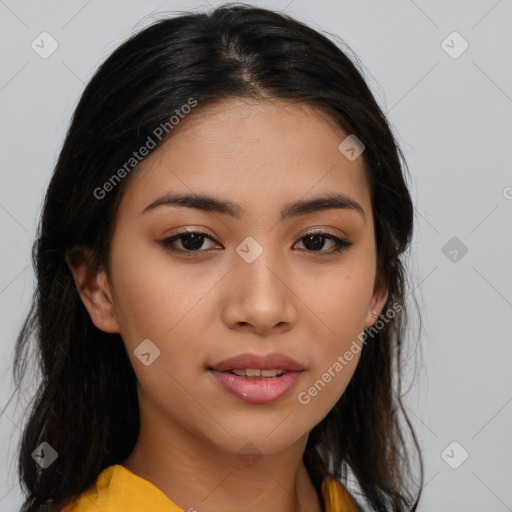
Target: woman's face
<point>252,283</point>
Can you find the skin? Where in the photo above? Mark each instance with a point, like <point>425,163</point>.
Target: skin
<point>201,310</point>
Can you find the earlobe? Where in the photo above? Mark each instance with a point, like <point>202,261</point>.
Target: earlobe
<point>379,298</point>
<point>93,288</point>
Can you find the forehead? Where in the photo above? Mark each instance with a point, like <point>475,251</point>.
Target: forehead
<point>259,153</point>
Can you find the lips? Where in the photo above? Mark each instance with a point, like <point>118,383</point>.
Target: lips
<point>278,375</point>
<point>274,361</point>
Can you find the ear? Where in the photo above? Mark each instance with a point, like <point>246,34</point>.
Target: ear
<point>379,298</point>
<point>93,287</point>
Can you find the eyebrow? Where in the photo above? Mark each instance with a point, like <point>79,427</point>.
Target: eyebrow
<point>211,204</point>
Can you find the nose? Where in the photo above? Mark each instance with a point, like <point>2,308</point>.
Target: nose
<point>260,298</point>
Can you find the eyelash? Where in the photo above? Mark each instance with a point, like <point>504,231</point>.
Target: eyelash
<point>167,243</point>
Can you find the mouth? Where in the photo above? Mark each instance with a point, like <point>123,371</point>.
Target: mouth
<point>256,379</point>
<point>256,373</point>
<point>252,363</point>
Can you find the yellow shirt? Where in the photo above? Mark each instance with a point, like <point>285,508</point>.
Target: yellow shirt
<point>118,489</point>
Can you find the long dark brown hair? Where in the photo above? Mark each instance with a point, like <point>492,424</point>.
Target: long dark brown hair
<point>86,405</point>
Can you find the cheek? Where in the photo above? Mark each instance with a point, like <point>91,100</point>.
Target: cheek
<point>342,308</point>
<point>341,301</point>
<point>336,356</point>
<point>157,301</point>
<point>152,295</point>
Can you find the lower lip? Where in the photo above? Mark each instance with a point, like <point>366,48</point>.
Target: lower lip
<point>260,390</point>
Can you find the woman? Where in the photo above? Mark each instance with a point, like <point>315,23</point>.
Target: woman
<point>220,308</point>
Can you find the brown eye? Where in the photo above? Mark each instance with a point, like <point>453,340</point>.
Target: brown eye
<point>315,241</point>
<point>191,241</point>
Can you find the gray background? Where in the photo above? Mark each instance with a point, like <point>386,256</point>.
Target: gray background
<point>452,117</point>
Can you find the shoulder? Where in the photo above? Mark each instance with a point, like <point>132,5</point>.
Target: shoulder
<point>337,498</point>
<point>95,495</point>
<point>117,488</point>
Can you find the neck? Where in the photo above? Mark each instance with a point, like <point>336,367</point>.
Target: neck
<point>196,474</point>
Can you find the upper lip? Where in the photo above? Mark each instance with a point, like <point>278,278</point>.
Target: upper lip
<point>258,362</point>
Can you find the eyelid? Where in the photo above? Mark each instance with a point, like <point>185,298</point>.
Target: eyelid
<point>310,230</point>
<point>325,230</point>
